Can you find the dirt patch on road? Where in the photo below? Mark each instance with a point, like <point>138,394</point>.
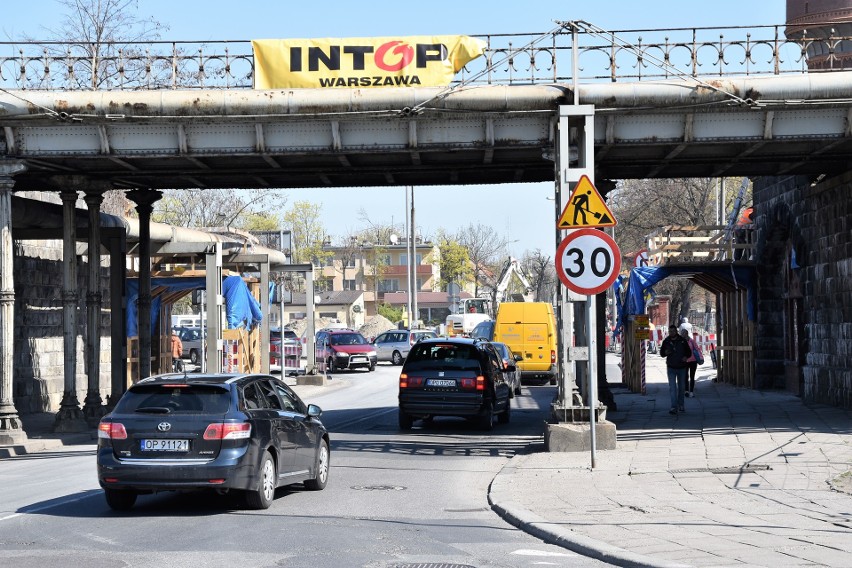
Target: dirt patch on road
<point>842,483</point>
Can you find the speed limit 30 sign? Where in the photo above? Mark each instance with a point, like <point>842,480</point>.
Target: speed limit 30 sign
<point>588,261</point>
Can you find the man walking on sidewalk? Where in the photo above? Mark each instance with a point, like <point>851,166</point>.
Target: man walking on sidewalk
<point>676,351</point>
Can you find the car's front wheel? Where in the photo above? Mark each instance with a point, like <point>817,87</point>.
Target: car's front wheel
<point>396,358</point>
<point>321,472</point>
<point>194,356</point>
<point>329,365</point>
<point>262,496</point>
<point>120,500</point>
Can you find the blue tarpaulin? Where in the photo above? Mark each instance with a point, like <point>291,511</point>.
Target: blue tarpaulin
<point>642,279</point>
<point>241,309</point>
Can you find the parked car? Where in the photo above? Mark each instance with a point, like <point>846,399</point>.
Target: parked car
<point>484,329</point>
<point>344,349</point>
<point>190,338</point>
<point>178,432</point>
<point>510,359</point>
<point>393,345</point>
<point>284,339</point>
<point>454,377</point>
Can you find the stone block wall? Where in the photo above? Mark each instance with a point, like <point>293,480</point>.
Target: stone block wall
<point>816,218</point>
<point>38,366</point>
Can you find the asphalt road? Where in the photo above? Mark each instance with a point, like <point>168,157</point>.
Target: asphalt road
<point>393,500</point>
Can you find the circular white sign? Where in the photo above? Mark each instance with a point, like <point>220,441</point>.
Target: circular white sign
<point>588,261</point>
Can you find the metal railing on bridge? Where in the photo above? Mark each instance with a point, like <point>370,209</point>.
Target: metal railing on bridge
<point>526,58</point>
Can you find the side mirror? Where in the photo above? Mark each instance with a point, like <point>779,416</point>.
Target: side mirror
<point>511,368</point>
<point>314,411</point>
<point>517,357</point>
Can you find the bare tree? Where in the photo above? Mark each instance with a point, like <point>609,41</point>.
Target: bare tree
<point>542,275</point>
<point>485,247</point>
<point>101,47</point>
<point>95,38</point>
<point>643,206</point>
<point>217,207</point>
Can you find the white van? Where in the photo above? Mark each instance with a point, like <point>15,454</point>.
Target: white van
<point>186,321</point>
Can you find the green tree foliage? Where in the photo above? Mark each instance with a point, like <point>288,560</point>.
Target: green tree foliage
<point>307,232</point>
<point>391,313</point>
<point>259,221</point>
<point>454,262</point>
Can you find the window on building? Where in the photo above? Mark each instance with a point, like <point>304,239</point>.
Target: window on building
<point>383,259</point>
<point>329,261</point>
<point>403,259</point>
<point>329,315</point>
<point>349,285</point>
<point>350,262</point>
<point>389,285</point>
<point>324,284</point>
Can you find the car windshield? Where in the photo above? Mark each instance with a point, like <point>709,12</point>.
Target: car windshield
<point>442,356</point>
<point>172,399</point>
<point>347,339</point>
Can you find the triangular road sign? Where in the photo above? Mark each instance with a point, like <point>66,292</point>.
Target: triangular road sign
<point>585,208</point>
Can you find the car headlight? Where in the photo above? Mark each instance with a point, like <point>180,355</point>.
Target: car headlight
<point>341,355</point>
<point>371,353</point>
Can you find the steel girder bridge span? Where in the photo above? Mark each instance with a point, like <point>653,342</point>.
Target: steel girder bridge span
<point>145,141</point>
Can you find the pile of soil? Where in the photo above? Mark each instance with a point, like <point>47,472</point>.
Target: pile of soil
<point>375,325</point>
<point>372,327</point>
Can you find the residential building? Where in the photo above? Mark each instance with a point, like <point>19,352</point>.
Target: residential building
<point>380,272</point>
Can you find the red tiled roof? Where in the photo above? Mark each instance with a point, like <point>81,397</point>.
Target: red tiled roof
<point>437,298</point>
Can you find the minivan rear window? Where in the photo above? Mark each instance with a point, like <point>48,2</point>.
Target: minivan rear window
<point>171,399</point>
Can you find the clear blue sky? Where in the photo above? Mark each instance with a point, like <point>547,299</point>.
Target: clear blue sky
<point>517,211</point>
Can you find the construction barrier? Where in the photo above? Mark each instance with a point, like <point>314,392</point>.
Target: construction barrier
<point>287,355</point>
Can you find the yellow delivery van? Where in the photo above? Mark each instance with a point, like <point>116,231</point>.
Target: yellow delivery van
<point>529,329</point>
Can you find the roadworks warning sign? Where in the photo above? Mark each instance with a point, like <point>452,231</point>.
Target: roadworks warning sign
<point>585,208</point>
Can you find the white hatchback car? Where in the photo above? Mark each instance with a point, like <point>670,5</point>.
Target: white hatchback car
<point>394,344</point>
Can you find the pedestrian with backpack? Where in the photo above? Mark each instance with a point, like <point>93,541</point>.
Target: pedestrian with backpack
<point>676,351</point>
<point>696,357</point>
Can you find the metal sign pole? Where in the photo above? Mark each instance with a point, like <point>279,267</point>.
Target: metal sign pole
<point>591,318</point>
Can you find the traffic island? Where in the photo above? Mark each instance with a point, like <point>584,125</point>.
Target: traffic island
<point>576,436</point>
<point>314,380</point>
<point>570,430</point>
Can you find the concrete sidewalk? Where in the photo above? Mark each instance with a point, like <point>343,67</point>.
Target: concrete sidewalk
<point>743,478</point>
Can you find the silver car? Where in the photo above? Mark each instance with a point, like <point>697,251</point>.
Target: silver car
<point>394,345</point>
<point>190,337</point>
<point>509,358</point>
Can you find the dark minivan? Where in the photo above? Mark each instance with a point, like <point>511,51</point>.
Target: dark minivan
<point>454,377</point>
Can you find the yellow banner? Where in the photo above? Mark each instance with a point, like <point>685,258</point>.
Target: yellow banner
<point>414,61</point>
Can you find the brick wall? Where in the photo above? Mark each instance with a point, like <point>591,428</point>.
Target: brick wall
<point>816,218</point>
<point>38,366</point>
